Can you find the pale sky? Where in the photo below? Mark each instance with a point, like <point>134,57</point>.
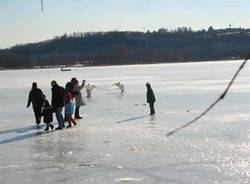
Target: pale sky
<point>21,21</point>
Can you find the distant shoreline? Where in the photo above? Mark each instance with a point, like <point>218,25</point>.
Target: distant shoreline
<point>103,65</point>
<point>130,47</point>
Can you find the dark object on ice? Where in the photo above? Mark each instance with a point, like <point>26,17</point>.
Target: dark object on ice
<point>150,98</point>
<point>57,102</point>
<point>65,69</point>
<point>36,98</point>
<point>47,112</point>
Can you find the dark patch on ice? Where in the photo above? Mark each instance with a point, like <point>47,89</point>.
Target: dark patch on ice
<point>131,119</point>
<point>118,93</point>
<point>140,104</point>
<point>88,165</point>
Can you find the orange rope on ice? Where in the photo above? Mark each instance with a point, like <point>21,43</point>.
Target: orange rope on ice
<point>222,96</point>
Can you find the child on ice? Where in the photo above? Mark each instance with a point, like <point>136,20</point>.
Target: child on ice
<point>47,112</point>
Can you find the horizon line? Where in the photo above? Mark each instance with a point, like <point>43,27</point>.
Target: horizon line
<point>107,31</point>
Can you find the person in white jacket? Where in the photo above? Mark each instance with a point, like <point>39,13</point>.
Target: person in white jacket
<point>78,96</point>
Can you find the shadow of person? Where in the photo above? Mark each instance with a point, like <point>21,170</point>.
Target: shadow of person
<point>131,119</point>
<point>20,130</point>
<point>21,137</point>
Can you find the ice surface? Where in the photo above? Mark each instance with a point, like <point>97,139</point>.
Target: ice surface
<point>117,142</point>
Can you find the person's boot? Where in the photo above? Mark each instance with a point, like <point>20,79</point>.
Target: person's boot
<point>65,119</point>
<point>38,121</point>
<point>74,122</point>
<point>47,128</point>
<point>69,126</point>
<point>59,128</point>
<point>78,117</point>
<point>152,112</point>
<point>52,127</point>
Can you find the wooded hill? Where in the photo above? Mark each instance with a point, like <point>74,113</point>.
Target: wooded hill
<point>113,48</point>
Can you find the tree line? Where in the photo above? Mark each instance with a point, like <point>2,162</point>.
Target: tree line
<point>125,47</point>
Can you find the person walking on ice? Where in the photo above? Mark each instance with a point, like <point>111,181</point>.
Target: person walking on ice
<point>78,96</point>
<point>57,102</point>
<point>69,105</point>
<point>36,98</point>
<point>47,113</point>
<point>150,98</point>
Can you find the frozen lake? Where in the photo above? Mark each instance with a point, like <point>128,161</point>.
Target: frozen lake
<point>117,142</point>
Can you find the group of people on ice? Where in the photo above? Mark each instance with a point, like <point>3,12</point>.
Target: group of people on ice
<point>63,98</point>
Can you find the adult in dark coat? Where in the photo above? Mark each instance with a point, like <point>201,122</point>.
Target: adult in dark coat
<point>57,102</point>
<point>37,99</point>
<point>150,98</point>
